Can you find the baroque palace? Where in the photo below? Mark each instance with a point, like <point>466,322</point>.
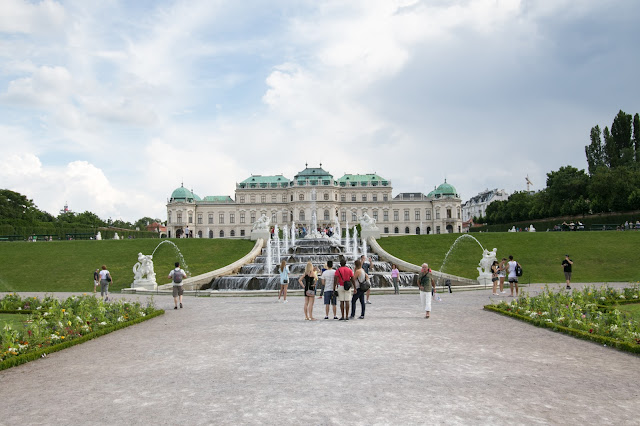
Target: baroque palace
<point>313,189</point>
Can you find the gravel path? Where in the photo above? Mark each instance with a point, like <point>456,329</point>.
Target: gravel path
<point>252,360</point>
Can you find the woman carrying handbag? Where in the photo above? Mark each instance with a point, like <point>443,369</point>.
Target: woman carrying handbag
<point>308,281</point>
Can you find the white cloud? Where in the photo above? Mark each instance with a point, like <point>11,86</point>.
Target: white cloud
<point>46,85</point>
<point>20,16</point>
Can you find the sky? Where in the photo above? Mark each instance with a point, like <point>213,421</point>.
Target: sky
<point>110,105</point>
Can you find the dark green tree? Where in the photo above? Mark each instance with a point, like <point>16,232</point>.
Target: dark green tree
<point>636,136</point>
<point>143,222</point>
<point>595,150</point>
<point>565,187</point>
<point>17,207</point>
<point>617,144</point>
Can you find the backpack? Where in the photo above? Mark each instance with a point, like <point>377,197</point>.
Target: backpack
<point>518,270</point>
<point>177,276</point>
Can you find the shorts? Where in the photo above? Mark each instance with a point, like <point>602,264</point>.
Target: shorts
<point>177,290</point>
<point>96,283</point>
<point>513,280</point>
<point>329,298</point>
<point>345,296</point>
<point>494,279</point>
<point>567,275</point>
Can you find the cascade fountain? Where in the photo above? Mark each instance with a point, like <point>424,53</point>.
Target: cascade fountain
<point>293,234</point>
<point>268,266</point>
<point>285,234</point>
<point>346,238</point>
<point>484,268</point>
<point>276,237</point>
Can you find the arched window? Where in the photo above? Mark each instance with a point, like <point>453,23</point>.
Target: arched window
<point>396,230</point>
<point>221,233</point>
<point>210,234</point>
<point>233,233</point>
<point>199,234</point>
<point>406,230</point>
<point>428,230</point>
<point>417,230</point>
<point>326,215</point>
<point>449,229</point>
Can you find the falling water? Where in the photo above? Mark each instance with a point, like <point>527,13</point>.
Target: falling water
<point>364,247</point>
<point>355,242</point>
<point>268,264</point>
<point>293,234</point>
<point>454,245</point>
<point>346,239</point>
<point>183,263</point>
<point>276,233</point>
<point>285,233</point>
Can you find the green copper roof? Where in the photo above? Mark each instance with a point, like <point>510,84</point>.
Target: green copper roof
<point>258,181</point>
<point>218,199</point>
<point>314,173</point>
<point>370,179</point>
<point>445,190</point>
<point>183,194</point>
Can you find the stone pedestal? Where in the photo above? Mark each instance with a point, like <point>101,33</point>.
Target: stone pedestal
<point>485,279</point>
<point>366,233</point>
<point>256,234</point>
<point>145,283</point>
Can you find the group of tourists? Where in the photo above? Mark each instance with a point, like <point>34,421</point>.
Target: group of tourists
<point>500,271</point>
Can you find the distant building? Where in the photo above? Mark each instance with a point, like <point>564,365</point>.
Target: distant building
<point>157,227</point>
<point>477,206</point>
<point>314,189</point>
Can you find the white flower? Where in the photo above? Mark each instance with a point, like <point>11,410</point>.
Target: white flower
<point>635,296</point>
<point>120,319</point>
<point>622,296</point>
<point>55,337</point>
<point>103,323</point>
<point>39,307</point>
<point>603,298</point>
<point>614,327</point>
<point>548,320</point>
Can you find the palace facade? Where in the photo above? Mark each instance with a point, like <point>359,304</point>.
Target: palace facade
<point>287,200</point>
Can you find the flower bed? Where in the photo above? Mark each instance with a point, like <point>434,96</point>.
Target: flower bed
<point>589,314</point>
<point>52,325</point>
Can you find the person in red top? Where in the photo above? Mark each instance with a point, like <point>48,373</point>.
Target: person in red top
<point>344,274</point>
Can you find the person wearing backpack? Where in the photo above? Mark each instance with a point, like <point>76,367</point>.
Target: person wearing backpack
<point>513,276</point>
<point>105,280</point>
<point>344,275</point>
<point>177,275</point>
<point>427,288</point>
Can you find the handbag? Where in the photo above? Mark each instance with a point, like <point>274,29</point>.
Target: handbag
<point>108,278</point>
<point>346,284</point>
<point>310,293</point>
<point>366,285</point>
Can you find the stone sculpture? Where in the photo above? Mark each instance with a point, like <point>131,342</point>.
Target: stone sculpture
<point>368,223</point>
<point>143,273</point>
<point>262,223</point>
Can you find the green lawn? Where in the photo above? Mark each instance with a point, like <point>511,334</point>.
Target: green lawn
<point>632,310</point>
<point>69,265</point>
<point>598,256</point>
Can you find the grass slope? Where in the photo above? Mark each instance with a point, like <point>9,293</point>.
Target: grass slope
<point>598,256</point>
<point>69,265</point>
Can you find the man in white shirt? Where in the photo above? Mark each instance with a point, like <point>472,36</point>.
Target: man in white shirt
<point>177,275</point>
<point>328,278</point>
<point>513,278</point>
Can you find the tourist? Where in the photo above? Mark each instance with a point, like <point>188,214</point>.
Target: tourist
<point>395,276</point>
<point>427,288</point>
<point>318,273</point>
<point>495,271</point>
<point>566,264</point>
<point>328,278</point>
<point>344,274</point>
<point>366,264</point>
<point>96,279</point>
<point>284,280</point>
<point>105,280</point>
<point>177,275</point>
<point>308,281</point>
<point>502,273</point>
<point>513,278</point>
<point>359,278</point>
<point>186,232</point>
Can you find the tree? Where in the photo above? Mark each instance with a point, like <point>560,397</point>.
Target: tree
<point>595,151</point>
<point>565,187</point>
<point>17,207</point>
<point>617,143</point>
<point>636,136</point>
<point>143,222</point>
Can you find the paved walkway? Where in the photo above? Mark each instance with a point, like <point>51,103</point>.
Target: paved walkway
<point>251,360</point>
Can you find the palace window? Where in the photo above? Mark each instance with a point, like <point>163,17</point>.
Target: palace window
<point>326,215</point>
<point>375,214</point>
<point>284,198</point>
<point>353,197</point>
<point>233,233</point>
<point>301,216</point>
<point>343,197</point>
<point>438,214</point>
<point>232,218</point>
<point>301,197</point>
<point>406,215</point>
<point>210,218</point>
<point>386,229</point>
<point>374,197</point>
<point>242,198</point>
<point>406,230</point>
<point>396,215</point>
<point>253,198</point>
<point>343,216</point>
<point>417,214</point>
<point>221,233</point>
<point>274,219</point>
<point>326,196</point>
<point>221,218</point>
<point>179,217</point>
<point>385,197</point>
<point>385,215</point>
<point>364,197</point>
<point>396,230</point>
<point>190,217</point>
<point>354,218</point>
<point>199,218</point>
<point>284,217</point>
<point>448,213</point>
<point>427,214</point>
<point>263,199</point>
<point>253,217</point>
<point>241,217</point>
<point>242,232</point>
<point>273,198</point>
<point>169,217</point>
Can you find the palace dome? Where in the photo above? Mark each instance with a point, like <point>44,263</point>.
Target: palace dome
<point>184,195</point>
<point>445,190</point>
